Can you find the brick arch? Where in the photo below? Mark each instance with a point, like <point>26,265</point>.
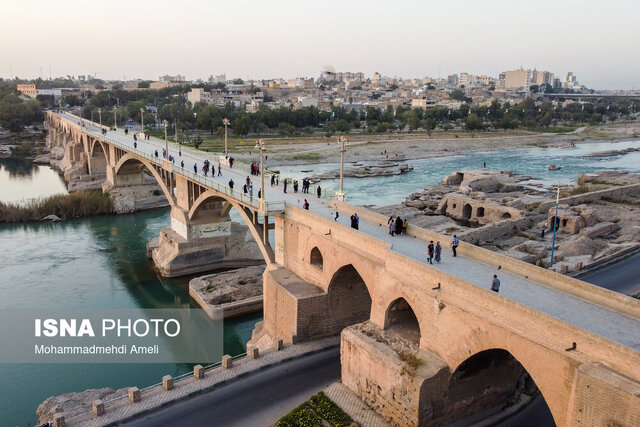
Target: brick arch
<point>401,318</point>
<point>265,250</point>
<point>487,378</point>
<point>348,300</point>
<point>315,258</point>
<point>129,158</point>
<point>92,147</point>
<point>533,358</point>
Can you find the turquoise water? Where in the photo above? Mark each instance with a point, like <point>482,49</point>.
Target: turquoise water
<point>533,162</point>
<point>97,262</point>
<point>101,262</point>
<point>21,180</point>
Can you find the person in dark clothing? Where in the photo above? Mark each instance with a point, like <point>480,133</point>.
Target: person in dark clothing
<point>495,284</point>
<point>319,191</point>
<point>244,188</point>
<point>305,204</point>
<point>273,180</point>
<point>195,167</point>
<point>398,225</point>
<point>182,164</point>
<point>135,144</point>
<point>354,221</point>
<point>231,184</point>
<point>285,185</point>
<point>430,251</point>
<point>231,160</point>
<point>156,153</point>
<point>454,244</point>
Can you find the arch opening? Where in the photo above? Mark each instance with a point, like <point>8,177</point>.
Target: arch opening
<point>506,215</point>
<point>315,258</point>
<point>466,211</point>
<point>480,212</point>
<point>348,300</point>
<point>401,321</point>
<point>487,383</point>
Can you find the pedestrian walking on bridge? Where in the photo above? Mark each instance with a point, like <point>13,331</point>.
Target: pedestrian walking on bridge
<point>495,284</point>
<point>305,204</point>
<point>454,244</point>
<point>438,252</point>
<point>430,251</point>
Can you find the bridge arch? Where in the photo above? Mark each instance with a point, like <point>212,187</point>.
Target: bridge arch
<point>315,258</point>
<point>246,215</point>
<point>132,159</point>
<point>400,319</point>
<point>491,378</point>
<point>348,300</point>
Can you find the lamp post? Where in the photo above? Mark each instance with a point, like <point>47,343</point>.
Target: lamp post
<point>342,140</point>
<point>166,141</point>
<point>225,122</point>
<point>260,146</point>
<point>100,116</point>
<point>555,223</point>
<point>142,119</point>
<point>115,121</point>
<point>176,130</point>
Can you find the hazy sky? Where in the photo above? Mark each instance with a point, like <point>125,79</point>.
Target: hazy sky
<point>597,40</point>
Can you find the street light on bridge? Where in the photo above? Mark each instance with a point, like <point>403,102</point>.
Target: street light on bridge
<point>142,119</point>
<point>166,141</point>
<point>260,146</point>
<point>115,121</point>
<point>100,116</point>
<point>342,140</point>
<point>225,122</point>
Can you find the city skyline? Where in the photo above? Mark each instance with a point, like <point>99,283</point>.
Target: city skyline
<point>287,39</point>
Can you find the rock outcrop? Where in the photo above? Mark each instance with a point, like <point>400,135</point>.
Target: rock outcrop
<point>75,403</point>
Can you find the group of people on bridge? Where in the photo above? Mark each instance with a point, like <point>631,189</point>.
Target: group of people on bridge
<point>397,226</point>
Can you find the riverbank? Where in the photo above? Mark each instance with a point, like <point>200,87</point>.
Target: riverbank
<point>374,148</point>
<point>79,204</point>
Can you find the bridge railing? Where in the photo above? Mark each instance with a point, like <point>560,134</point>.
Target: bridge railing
<point>254,202</point>
<point>125,397</point>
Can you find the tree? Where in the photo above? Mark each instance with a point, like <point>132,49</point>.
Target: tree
<point>473,122</point>
<point>457,94</point>
<point>342,125</point>
<point>241,126</point>
<point>145,84</point>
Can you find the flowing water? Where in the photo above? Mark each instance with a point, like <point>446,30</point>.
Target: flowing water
<point>101,262</point>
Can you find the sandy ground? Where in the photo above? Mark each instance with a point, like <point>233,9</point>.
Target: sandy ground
<point>420,145</point>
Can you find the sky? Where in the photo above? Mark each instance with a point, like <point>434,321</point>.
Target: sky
<point>119,39</point>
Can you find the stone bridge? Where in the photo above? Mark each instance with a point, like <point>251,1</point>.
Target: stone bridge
<point>422,344</point>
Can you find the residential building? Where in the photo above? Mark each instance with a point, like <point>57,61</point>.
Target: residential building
<point>198,94</point>
<point>167,78</point>
<point>28,90</point>
<point>518,80</point>
<point>452,80</point>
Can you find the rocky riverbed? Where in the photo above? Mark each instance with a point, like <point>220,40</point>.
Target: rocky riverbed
<point>382,168</point>
<point>232,293</point>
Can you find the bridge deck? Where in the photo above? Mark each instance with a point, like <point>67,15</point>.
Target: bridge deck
<point>607,323</point>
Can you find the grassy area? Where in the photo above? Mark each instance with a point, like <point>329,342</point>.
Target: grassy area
<point>553,129</point>
<point>621,201</point>
<point>66,206</point>
<point>318,411</point>
<point>532,206</point>
<point>305,156</point>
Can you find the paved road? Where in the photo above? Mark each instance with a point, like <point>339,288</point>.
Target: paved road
<point>601,321</point>
<point>621,276</point>
<point>257,400</point>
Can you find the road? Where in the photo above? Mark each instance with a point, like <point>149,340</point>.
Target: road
<point>257,400</point>
<point>621,276</point>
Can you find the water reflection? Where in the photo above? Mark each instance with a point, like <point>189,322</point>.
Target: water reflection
<point>21,180</point>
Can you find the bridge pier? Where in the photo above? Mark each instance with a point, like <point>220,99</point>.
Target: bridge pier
<point>208,241</point>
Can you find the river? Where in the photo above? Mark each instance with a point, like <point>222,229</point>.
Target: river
<point>101,262</point>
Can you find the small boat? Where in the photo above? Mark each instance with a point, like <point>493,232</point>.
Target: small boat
<point>554,168</point>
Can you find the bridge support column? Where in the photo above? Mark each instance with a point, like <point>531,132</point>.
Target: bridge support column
<point>404,384</point>
<point>207,242</point>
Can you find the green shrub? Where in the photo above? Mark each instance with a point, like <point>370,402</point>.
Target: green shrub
<point>328,410</point>
<point>302,416</point>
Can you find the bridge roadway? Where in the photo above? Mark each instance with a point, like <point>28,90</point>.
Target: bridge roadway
<point>601,321</point>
